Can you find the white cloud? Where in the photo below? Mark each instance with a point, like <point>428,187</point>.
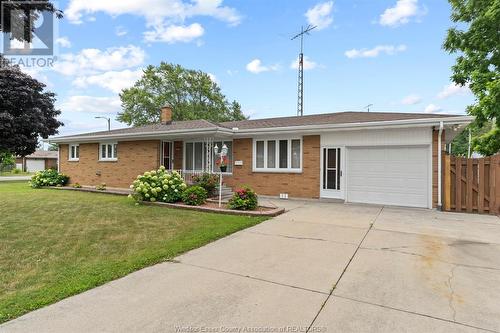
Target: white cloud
<point>308,64</point>
<point>165,18</point>
<point>374,52</point>
<point>120,31</point>
<point>411,99</point>
<point>320,15</point>
<point>174,33</point>
<point>255,66</point>
<point>154,11</point>
<point>431,108</point>
<point>115,81</point>
<point>63,42</point>
<point>401,13</point>
<point>453,89</point>
<point>92,61</point>
<point>91,104</point>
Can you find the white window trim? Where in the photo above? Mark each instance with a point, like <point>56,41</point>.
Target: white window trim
<point>193,141</point>
<point>107,159</point>
<point>277,169</point>
<point>73,159</point>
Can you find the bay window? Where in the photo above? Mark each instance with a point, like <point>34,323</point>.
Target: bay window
<point>277,155</point>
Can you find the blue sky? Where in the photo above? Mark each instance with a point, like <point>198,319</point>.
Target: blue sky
<point>381,52</point>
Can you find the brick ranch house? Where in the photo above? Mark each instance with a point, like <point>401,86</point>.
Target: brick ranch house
<point>379,158</point>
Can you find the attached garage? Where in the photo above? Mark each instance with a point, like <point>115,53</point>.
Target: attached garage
<point>389,175</point>
<point>385,167</point>
<point>33,165</point>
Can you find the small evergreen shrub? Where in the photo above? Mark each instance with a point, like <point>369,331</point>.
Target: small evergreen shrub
<point>194,196</point>
<point>16,171</point>
<point>208,181</point>
<point>243,199</point>
<point>101,187</point>
<point>158,185</point>
<point>48,177</point>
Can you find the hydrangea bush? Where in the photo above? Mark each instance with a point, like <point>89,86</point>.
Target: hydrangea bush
<point>158,185</point>
<point>243,199</point>
<point>194,196</point>
<point>49,177</point>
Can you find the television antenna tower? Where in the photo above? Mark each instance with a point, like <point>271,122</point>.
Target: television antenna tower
<point>300,97</point>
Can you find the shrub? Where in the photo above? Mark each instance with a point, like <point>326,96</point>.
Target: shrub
<point>48,178</point>
<point>16,171</point>
<point>243,199</point>
<point>194,196</point>
<point>101,187</point>
<point>76,185</point>
<point>158,185</point>
<point>208,181</point>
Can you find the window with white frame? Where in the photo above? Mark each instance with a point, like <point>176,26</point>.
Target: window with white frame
<point>74,152</point>
<point>277,155</point>
<point>108,151</point>
<point>195,155</point>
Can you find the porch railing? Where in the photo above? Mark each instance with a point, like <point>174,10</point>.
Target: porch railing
<point>188,175</point>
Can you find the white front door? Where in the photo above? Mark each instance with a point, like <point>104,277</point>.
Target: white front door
<point>332,180</point>
<point>167,154</point>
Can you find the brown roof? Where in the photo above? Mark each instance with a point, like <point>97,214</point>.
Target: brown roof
<point>175,125</point>
<point>316,119</point>
<point>329,118</point>
<point>43,154</point>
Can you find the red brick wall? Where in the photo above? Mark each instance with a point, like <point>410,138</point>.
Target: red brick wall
<point>134,158</point>
<point>305,184</point>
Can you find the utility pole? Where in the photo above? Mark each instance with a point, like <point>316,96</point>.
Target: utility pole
<point>300,95</point>
<point>368,107</point>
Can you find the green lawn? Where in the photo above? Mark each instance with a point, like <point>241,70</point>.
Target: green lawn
<point>10,173</point>
<point>56,243</point>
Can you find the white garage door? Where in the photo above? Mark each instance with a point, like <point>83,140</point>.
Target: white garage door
<point>390,176</point>
<point>35,165</point>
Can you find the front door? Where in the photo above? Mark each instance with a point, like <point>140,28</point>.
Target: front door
<point>168,155</point>
<point>332,183</point>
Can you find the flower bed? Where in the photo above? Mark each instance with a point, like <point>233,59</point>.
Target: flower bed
<point>210,206</point>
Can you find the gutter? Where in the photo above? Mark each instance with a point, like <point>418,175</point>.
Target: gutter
<point>440,204</point>
<point>142,135</point>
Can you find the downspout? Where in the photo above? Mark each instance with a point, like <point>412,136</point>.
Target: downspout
<point>440,204</point>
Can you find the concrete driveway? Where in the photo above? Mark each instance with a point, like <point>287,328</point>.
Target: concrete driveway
<point>321,266</point>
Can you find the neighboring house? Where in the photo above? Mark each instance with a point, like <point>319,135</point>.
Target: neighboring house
<point>39,160</point>
<point>369,157</point>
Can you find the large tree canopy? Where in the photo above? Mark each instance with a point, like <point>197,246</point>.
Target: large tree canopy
<point>191,93</point>
<point>26,112</point>
<point>478,62</point>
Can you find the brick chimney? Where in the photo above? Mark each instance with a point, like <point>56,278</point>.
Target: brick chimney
<point>166,115</point>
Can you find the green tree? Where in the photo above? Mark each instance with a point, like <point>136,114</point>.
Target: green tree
<point>6,160</point>
<point>478,46</point>
<point>53,147</point>
<point>27,112</point>
<point>460,144</point>
<point>191,93</point>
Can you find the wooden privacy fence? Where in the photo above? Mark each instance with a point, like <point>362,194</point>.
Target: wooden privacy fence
<point>471,184</point>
